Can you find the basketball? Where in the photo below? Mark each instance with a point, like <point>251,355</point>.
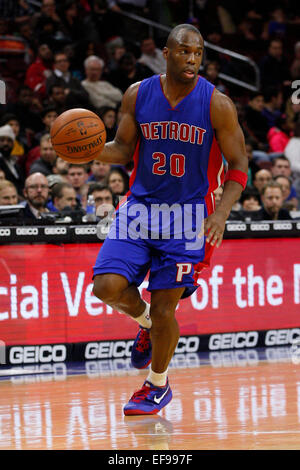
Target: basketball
<point>78,135</point>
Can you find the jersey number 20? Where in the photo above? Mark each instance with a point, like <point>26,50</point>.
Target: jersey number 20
<point>177,164</point>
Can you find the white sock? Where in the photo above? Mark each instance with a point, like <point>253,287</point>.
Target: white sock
<point>144,319</point>
<point>159,380</point>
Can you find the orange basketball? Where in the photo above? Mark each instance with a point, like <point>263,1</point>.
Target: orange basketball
<point>78,135</point>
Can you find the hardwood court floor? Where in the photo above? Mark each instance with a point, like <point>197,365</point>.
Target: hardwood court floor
<point>225,406</point>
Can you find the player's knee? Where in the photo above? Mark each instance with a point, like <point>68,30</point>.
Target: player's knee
<point>162,314</point>
<point>105,289</point>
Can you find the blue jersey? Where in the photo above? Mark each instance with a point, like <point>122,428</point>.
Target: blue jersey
<point>177,157</point>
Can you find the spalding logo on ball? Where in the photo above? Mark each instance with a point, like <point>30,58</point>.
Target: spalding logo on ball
<point>78,135</point>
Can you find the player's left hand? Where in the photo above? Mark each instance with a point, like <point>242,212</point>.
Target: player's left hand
<point>214,226</point>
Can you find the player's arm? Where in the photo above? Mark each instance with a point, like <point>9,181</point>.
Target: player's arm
<point>121,149</point>
<point>231,141</point>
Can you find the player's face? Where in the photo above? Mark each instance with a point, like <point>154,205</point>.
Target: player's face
<point>185,57</point>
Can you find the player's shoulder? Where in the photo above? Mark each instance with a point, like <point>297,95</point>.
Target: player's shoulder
<point>222,108</point>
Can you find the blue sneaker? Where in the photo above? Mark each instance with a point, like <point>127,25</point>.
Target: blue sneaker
<point>141,353</point>
<point>149,400</point>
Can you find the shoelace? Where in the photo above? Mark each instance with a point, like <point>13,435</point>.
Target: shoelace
<point>143,342</point>
<point>141,394</point>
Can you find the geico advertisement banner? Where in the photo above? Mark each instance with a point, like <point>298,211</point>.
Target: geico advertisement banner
<point>46,293</point>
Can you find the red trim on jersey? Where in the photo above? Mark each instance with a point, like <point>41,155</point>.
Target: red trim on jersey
<point>215,162</point>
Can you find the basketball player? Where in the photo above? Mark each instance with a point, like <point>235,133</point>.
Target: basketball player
<point>176,126</point>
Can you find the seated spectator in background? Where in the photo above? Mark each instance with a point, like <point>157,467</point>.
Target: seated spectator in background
<point>8,193</point>
<point>211,73</point>
<point>151,56</point>
<point>77,176</point>
<point>8,163</point>
<point>63,196</point>
<point>261,178</point>
<point>60,167</point>
<point>118,181</point>
<point>256,123</point>
<point>278,136</point>
<point>272,202</point>
<point>250,200</point>
<point>109,117</point>
<point>99,171</point>
<point>101,92</point>
<point>83,194</point>
<point>128,72</point>
<point>252,166</point>
<point>18,148</point>
<point>62,76</point>
<point>295,67</point>
<point>282,167</point>
<point>274,67</point>
<point>286,186</point>
<point>36,192</point>
<point>103,196</point>
<point>57,98</point>
<point>39,70</point>
<point>273,100</point>
<point>48,115</point>
<point>45,163</point>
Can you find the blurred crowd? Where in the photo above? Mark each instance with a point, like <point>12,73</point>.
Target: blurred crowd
<point>63,54</point>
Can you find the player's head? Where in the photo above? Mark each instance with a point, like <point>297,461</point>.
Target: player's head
<point>183,53</point>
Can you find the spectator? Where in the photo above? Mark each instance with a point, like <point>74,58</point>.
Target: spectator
<point>256,123</point>
<point>118,181</point>
<point>273,99</point>
<point>36,193</point>
<point>8,162</point>
<point>261,178</point>
<point>72,21</point>
<point>292,151</point>
<point>2,176</point>
<point>278,136</point>
<point>12,120</point>
<point>295,67</point>
<point>63,195</point>
<point>47,158</point>
<point>211,73</point>
<point>48,115</point>
<point>39,70</point>
<point>286,186</point>
<point>60,167</point>
<point>272,201</point>
<point>99,171</point>
<point>101,92</point>
<point>273,67</point>
<point>128,72</point>
<point>8,194</point>
<point>77,176</point>
<point>250,200</point>
<point>151,56</point>
<point>62,76</point>
<point>109,117</point>
<point>252,166</point>
<point>103,196</point>
<point>57,98</point>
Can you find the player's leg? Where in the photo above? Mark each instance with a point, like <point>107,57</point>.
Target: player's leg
<point>156,392</point>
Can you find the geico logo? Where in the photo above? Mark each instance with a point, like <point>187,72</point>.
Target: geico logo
<point>257,227</point>
<point>4,232</point>
<point>85,230</point>
<point>44,353</point>
<point>282,226</point>
<point>298,225</point>
<point>276,337</point>
<point>236,227</point>
<point>188,345</point>
<point>242,339</point>
<point>27,231</point>
<point>108,349</point>
<point>55,231</point>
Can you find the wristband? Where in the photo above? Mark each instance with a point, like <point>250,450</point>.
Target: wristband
<point>238,176</point>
